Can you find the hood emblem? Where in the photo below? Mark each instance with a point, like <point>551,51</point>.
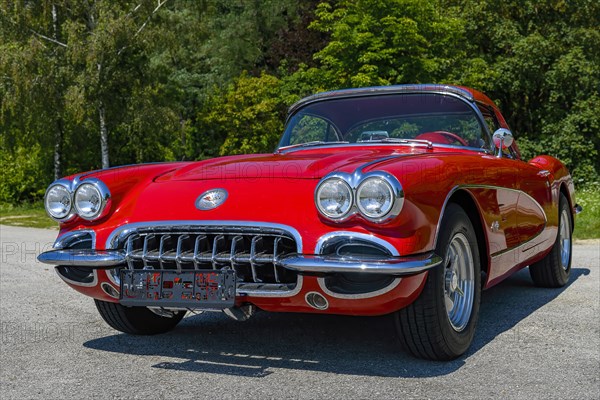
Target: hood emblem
<point>210,199</point>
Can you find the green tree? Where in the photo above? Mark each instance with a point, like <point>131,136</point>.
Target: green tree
<point>377,42</point>
<point>543,62</point>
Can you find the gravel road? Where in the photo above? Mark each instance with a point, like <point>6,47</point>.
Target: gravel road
<point>530,343</point>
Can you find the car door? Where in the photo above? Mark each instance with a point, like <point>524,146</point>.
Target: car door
<point>535,197</point>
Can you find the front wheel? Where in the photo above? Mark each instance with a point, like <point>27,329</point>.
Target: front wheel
<point>136,320</point>
<point>440,324</point>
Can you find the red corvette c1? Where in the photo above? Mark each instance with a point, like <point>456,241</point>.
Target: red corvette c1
<point>404,200</point>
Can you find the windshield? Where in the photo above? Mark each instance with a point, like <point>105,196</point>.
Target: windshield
<point>437,118</point>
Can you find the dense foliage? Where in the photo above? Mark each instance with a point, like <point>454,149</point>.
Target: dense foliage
<point>88,84</point>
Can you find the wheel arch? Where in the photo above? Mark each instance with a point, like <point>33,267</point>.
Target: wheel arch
<point>565,191</point>
<point>466,201</point>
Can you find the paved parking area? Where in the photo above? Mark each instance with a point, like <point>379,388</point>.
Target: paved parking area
<point>530,343</point>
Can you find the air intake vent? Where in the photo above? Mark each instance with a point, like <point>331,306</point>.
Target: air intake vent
<point>252,253</point>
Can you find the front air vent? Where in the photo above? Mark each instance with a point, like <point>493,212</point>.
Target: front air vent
<point>252,253</point>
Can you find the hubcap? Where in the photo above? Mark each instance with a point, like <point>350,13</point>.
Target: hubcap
<point>565,239</point>
<point>459,282</point>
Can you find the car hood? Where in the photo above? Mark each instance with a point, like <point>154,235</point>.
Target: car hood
<point>304,164</point>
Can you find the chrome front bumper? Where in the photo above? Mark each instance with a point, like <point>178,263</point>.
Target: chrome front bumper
<point>408,265</point>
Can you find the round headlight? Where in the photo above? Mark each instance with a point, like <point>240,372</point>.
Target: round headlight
<point>334,198</point>
<point>90,200</point>
<point>374,197</point>
<point>58,201</point>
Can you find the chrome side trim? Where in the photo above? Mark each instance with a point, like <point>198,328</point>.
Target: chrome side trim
<point>93,283</point>
<point>62,240</point>
<point>388,266</point>
<point>356,296</point>
<point>83,258</point>
<point>123,231</point>
<point>456,188</point>
<point>354,235</point>
<point>519,246</point>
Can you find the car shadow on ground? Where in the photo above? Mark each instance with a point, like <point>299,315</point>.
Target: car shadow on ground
<point>365,346</point>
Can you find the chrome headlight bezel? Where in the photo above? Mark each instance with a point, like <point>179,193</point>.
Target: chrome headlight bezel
<point>65,185</point>
<point>350,194</point>
<point>103,194</point>
<point>393,188</point>
<point>354,182</point>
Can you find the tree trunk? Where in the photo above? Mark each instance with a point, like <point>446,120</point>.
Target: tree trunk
<point>103,135</point>
<point>182,123</point>
<point>58,132</point>
<point>58,135</point>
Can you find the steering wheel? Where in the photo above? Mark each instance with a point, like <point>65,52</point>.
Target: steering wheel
<point>442,137</point>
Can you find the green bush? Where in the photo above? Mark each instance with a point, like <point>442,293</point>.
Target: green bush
<point>23,175</point>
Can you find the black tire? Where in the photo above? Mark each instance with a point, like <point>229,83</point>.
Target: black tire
<point>424,327</point>
<point>136,320</point>
<point>553,271</point>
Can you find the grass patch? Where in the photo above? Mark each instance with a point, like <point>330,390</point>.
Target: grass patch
<point>587,224</point>
<point>30,215</point>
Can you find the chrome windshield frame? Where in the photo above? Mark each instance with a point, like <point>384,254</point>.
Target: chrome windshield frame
<point>454,92</point>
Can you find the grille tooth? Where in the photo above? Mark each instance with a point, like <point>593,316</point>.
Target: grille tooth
<point>178,252</point>
<point>256,242</point>
<point>161,251</point>
<point>251,251</point>
<point>129,251</point>
<point>200,245</point>
<point>215,250</point>
<point>148,241</point>
<point>234,246</point>
<point>275,256</point>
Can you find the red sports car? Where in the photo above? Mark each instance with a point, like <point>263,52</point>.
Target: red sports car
<point>404,200</point>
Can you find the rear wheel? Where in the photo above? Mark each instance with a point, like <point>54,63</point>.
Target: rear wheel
<point>136,320</point>
<point>554,269</point>
<point>440,324</point>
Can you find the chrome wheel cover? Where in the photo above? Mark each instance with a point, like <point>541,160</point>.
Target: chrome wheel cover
<point>459,282</point>
<point>565,239</point>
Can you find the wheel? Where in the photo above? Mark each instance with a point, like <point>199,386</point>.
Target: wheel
<point>136,320</point>
<point>440,324</point>
<point>554,269</point>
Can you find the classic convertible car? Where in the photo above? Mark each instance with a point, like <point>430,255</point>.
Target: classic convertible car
<point>405,200</point>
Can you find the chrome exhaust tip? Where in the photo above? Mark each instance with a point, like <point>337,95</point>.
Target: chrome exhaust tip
<point>316,301</point>
<point>242,313</point>
<point>110,290</point>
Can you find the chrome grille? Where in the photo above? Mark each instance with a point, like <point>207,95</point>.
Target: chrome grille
<point>252,252</point>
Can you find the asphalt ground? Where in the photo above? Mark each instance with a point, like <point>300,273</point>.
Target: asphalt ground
<point>530,343</point>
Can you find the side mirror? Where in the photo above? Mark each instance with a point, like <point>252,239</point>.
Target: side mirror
<point>503,139</point>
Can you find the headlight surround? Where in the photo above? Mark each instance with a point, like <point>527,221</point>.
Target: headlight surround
<point>58,201</point>
<point>334,198</point>
<point>377,196</point>
<point>374,197</point>
<point>91,199</point>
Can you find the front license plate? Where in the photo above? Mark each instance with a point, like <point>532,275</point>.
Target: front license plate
<point>185,289</point>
